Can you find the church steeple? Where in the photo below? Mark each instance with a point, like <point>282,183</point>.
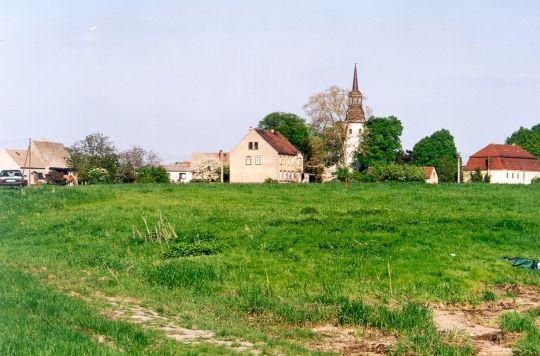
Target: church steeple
<point>355,80</point>
<point>355,112</point>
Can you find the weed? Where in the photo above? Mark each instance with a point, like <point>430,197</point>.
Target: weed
<point>196,275</point>
<point>514,321</point>
<point>488,295</point>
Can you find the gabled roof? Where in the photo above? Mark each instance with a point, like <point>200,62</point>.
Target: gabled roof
<point>53,154</point>
<point>176,168</point>
<point>497,150</point>
<point>21,159</point>
<point>429,171</point>
<point>503,157</point>
<point>278,142</point>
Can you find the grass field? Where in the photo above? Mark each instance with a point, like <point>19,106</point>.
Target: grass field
<point>257,265</point>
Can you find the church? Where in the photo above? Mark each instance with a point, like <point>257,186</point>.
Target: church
<point>354,122</point>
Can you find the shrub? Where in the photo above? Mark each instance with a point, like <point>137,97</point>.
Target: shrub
<point>342,173</point>
<point>125,174</point>
<point>55,178</point>
<point>152,174</point>
<point>535,180</point>
<point>397,173</point>
<point>270,181</point>
<point>193,244</point>
<point>478,177</point>
<point>98,176</point>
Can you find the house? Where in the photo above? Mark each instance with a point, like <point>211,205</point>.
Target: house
<point>179,173</point>
<point>265,154</point>
<point>42,157</point>
<point>431,175</point>
<point>509,164</point>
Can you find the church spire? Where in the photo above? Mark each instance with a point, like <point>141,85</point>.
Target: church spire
<point>355,80</point>
<point>355,112</point>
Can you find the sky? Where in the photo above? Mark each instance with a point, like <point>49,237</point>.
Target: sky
<point>178,77</point>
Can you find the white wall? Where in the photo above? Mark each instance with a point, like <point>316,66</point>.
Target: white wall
<point>175,177</point>
<point>352,141</point>
<point>508,177</point>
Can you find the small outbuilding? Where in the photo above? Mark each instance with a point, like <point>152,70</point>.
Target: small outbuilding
<point>431,175</point>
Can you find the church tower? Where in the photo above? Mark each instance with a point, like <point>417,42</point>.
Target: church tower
<point>354,122</point>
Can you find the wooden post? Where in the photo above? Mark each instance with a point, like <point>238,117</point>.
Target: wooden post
<point>30,161</point>
<point>458,168</point>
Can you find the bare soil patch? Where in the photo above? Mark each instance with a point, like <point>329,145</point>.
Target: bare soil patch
<point>480,322</point>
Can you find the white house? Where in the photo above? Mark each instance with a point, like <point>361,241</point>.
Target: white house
<point>178,173</point>
<point>508,164</point>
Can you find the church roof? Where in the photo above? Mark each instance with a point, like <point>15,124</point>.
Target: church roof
<point>278,142</point>
<point>503,157</point>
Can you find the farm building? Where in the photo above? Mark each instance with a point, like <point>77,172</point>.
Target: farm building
<point>178,173</point>
<point>265,154</point>
<point>431,175</point>
<point>509,164</point>
<point>43,157</point>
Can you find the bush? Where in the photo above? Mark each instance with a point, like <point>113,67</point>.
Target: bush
<point>98,176</point>
<point>152,174</point>
<point>55,178</point>
<point>478,177</point>
<point>125,174</point>
<point>398,173</point>
<point>342,173</point>
<point>535,180</point>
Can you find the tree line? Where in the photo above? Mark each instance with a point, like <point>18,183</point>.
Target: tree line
<point>380,156</point>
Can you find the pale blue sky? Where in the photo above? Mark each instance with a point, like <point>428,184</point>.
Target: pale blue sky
<point>183,76</point>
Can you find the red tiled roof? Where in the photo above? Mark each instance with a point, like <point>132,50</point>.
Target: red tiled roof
<point>278,142</point>
<point>429,171</point>
<point>503,157</point>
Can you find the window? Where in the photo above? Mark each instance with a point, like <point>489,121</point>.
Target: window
<point>255,145</point>
<point>250,145</point>
<point>512,175</point>
<point>359,131</point>
<point>182,176</point>
<point>350,131</point>
<point>257,159</point>
<point>248,160</point>
<point>280,160</point>
<point>506,174</point>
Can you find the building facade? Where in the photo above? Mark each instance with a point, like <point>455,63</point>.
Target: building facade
<point>506,164</point>
<point>178,173</point>
<point>265,154</point>
<point>354,122</point>
<point>42,157</point>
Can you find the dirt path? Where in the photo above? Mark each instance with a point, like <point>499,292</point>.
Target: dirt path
<point>130,310</point>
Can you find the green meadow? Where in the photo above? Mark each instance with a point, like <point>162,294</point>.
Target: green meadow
<point>260,263</point>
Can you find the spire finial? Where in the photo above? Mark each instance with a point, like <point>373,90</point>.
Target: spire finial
<point>355,79</point>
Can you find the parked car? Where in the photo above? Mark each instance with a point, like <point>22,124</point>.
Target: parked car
<point>12,177</point>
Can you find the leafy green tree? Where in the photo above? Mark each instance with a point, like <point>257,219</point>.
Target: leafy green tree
<point>439,151</point>
<point>152,174</point>
<point>528,139</point>
<point>94,151</point>
<point>381,143</point>
<point>293,127</point>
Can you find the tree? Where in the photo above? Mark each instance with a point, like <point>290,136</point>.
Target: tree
<point>291,126</point>
<point>528,139</point>
<point>439,151</point>
<point>94,151</point>
<point>381,143</point>
<point>208,170</point>
<point>152,174</point>
<point>138,157</point>
<point>328,110</point>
